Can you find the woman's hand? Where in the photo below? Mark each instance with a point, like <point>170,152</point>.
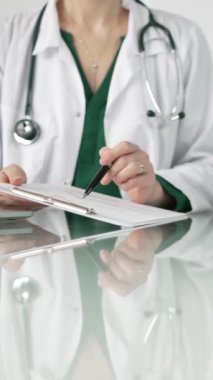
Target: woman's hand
<point>132,171</point>
<point>16,176</point>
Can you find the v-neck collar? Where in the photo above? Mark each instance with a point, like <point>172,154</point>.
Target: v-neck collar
<point>101,93</point>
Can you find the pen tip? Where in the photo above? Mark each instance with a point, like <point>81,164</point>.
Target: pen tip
<point>84,195</point>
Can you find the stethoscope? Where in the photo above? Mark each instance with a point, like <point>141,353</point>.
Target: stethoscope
<point>27,130</point>
<point>161,312</point>
<point>25,290</point>
<point>157,112</point>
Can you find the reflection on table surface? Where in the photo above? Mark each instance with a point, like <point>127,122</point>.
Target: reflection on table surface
<point>123,304</point>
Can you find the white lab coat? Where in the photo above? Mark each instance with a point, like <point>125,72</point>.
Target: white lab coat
<point>180,151</point>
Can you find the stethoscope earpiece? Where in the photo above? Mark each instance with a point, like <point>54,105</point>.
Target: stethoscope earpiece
<point>181,115</point>
<point>178,116</point>
<point>26,131</point>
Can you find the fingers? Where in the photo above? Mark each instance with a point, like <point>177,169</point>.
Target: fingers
<point>8,202</point>
<point>121,265</point>
<point>132,171</point>
<point>106,280</point>
<point>128,168</point>
<point>126,160</point>
<point>128,264</point>
<point>123,274</point>
<point>109,155</point>
<point>3,177</point>
<point>13,174</point>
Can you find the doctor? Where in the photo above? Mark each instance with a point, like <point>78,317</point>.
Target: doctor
<point>105,93</point>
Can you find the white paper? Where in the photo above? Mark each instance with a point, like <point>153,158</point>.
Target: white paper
<point>105,208</point>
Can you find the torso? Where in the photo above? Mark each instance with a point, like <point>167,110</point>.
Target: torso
<point>96,50</point>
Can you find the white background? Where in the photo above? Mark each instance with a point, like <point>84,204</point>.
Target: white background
<point>200,11</point>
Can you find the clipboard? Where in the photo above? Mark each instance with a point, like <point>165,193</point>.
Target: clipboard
<point>97,206</point>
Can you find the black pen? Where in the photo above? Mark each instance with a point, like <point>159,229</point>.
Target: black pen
<point>96,180</point>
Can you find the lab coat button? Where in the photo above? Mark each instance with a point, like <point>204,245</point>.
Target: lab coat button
<point>67,181</point>
<point>76,309</point>
<point>78,114</point>
<point>148,313</point>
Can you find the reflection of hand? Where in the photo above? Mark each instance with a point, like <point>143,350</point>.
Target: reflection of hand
<point>12,243</point>
<point>130,261</point>
<point>16,176</point>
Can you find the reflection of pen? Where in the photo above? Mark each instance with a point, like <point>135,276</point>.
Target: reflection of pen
<point>94,256</point>
<point>96,179</point>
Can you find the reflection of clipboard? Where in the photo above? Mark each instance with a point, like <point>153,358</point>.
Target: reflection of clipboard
<point>92,242</point>
<point>14,214</point>
<point>96,206</point>
<point>22,236</point>
<point>66,245</point>
<point>14,228</point>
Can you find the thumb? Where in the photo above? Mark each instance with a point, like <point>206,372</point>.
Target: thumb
<point>13,174</point>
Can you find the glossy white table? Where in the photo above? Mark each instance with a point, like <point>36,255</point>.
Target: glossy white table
<point>136,305</point>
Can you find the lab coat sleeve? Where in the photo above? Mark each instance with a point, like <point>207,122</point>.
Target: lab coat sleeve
<point>3,47</point>
<point>4,43</point>
<point>192,169</point>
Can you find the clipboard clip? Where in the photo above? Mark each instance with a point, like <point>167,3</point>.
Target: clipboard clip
<point>48,201</point>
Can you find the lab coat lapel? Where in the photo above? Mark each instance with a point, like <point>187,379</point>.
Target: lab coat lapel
<point>50,38</point>
<point>128,61</point>
<point>67,101</point>
<point>49,34</point>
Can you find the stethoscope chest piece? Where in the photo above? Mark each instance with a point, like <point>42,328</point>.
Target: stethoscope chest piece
<point>24,290</point>
<point>26,131</point>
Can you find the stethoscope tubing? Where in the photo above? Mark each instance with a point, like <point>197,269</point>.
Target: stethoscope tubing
<point>28,108</point>
<point>173,115</point>
<point>27,130</point>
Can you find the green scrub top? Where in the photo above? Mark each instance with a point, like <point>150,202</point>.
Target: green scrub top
<point>93,136</point>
